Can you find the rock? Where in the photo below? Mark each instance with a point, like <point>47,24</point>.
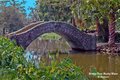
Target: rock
<point>114,50</point>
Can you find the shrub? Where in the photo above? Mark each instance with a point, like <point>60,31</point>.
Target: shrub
<point>13,66</point>
<point>10,54</point>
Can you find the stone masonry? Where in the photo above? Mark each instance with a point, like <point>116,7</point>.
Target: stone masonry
<point>78,40</point>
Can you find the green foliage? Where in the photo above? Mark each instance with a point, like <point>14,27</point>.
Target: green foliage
<point>53,10</point>
<point>10,54</point>
<point>90,9</point>
<point>13,66</point>
<point>64,70</point>
<point>52,36</point>
<point>93,27</point>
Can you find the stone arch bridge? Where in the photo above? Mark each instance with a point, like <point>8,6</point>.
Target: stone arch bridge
<point>77,39</point>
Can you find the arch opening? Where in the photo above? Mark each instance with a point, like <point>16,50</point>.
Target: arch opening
<point>49,42</point>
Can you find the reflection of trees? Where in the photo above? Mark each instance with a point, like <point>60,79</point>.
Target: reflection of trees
<point>45,46</point>
<point>111,64</point>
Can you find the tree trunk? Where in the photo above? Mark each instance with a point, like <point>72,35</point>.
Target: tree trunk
<point>99,30</point>
<point>106,29</point>
<point>97,26</point>
<point>73,21</point>
<point>112,29</point>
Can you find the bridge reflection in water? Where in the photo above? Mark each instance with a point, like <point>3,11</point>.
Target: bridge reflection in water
<point>86,60</point>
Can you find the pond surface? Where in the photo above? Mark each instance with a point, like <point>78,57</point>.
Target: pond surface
<point>107,65</point>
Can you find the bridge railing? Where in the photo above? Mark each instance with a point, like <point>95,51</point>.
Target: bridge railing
<point>24,28</point>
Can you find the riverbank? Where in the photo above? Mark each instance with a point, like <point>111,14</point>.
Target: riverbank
<point>104,47</point>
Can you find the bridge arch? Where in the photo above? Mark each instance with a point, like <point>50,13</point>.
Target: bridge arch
<point>75,38</point>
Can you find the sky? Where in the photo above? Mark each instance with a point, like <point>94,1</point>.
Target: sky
<point>29,3</point>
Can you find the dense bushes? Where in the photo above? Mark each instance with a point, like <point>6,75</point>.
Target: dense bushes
<point>13,66</point>
<point>10,54</point>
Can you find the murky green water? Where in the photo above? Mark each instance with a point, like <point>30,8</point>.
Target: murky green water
<point>107,65</point>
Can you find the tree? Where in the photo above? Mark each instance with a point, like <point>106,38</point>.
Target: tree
<point>57,10</point>
<point>100,9</point>
<point>12,14</point>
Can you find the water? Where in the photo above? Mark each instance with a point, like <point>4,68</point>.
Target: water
<point>103,63</point>
<point>107,65</point>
